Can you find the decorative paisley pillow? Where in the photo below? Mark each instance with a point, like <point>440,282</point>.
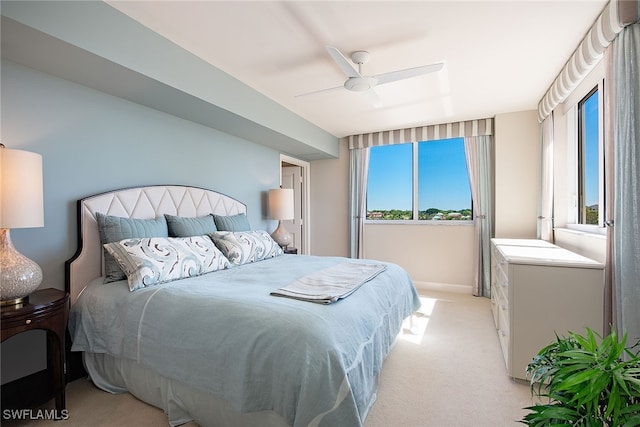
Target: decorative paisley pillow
<point>153,260</point>
<point>114,229</point>
<point>242,247</point>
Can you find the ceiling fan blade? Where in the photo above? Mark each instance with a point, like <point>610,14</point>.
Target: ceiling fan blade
<point>343,63</point>
<point>373,98</point>
<point>330,89</point>
<point>394,76</point>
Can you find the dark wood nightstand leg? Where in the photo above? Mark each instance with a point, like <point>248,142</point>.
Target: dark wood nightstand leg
<point>55,347</point>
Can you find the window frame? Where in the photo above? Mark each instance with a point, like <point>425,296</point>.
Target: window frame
<point>576,209</point>
<point>414,201</point>
<point>582,160</point>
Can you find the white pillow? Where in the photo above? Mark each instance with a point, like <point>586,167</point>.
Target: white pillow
<point>153,260</point>
<point>242,247</point>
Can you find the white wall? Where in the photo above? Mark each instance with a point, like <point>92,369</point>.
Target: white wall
<point>431,253</point>
<point>434,254</point>
<point>592,246</point>
<point>517,174</point>
<point>330,205</point>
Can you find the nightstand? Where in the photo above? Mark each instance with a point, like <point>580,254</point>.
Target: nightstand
<point>46,309</point>
<point>291,250</point>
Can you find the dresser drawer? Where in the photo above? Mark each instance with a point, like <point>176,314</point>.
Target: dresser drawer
<point>503,306</point>
<point>494,305</point>
<point>502,283</point>
<point>496,256</point>
<point>503,336</point>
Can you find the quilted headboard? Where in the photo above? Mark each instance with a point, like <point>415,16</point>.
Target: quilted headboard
<point>140,202</point>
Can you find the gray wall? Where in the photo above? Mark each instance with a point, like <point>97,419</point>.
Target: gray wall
<point>91,142</point>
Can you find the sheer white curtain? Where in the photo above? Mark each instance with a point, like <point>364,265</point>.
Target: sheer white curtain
<point>609,165</point>
<point>626,141</point>
<point>359,164</point>
<point>545,214</point>
<point>478,152</point>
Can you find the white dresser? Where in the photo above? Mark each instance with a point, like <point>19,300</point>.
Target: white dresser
<point>537,290</point>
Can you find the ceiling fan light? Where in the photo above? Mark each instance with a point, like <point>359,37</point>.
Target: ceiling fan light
<point>360,84</point>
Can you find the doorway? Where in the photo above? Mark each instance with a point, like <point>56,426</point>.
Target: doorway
<point>294,174</point>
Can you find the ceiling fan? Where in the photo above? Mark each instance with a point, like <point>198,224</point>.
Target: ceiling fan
<point>357,82</point>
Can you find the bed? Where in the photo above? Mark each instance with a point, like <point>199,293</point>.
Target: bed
<point>219,347</point>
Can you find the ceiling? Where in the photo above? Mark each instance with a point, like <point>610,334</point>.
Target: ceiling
<point>499,56</point>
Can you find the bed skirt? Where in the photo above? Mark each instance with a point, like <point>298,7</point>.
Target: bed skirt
<point>180,402</point>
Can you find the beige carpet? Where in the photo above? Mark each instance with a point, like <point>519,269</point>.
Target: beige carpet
<point>449,372</point>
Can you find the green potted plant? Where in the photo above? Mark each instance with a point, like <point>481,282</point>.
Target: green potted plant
<point>585,381</point>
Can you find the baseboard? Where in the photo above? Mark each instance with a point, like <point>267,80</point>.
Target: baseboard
<point>443,287</point>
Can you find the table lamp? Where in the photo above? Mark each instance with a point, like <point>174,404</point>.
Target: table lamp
<point>21,206</point>
<point>281,208</point>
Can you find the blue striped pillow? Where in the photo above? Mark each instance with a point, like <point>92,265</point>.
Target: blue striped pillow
<point>180,226</point>
<point>237,222</point>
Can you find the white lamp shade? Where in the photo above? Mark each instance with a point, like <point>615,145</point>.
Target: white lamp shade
<point>21,201</point>
<point>281,205</point>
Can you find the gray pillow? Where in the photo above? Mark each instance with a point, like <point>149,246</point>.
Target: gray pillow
<point>237,222</point>
<point>115,228</point>
<point>180,226</point>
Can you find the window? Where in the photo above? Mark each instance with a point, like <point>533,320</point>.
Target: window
<point>390,182</point>
<point>443,181</point>
<point>590,161</point>
<point>419,181</point>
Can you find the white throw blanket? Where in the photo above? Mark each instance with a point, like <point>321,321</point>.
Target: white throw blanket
<point>332,283</point>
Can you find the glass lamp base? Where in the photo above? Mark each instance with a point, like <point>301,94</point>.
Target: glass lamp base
<point>19,276</point>
<point>281,235</point>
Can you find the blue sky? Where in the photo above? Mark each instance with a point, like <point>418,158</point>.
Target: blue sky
<point>591,156</point>
<point>443,182</point>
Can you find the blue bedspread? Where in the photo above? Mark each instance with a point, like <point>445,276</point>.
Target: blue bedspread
<point>223,333</point>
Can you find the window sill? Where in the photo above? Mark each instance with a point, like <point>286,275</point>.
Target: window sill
<point>585,230</point>
<point>419,222</point>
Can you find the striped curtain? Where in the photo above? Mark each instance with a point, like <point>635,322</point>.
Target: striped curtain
<point>615,16</point>
<point>481,127</point>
